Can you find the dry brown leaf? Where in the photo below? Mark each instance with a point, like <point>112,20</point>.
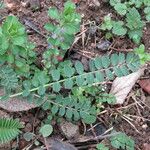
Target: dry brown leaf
<point>145,85</point>
<point>146,146</point>
<point>15,104</point>
<point>55,144</point>
<point>123,85</point>
<point>12,4</point>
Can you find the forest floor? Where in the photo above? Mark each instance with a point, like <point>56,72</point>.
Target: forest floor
<point>137,103</point>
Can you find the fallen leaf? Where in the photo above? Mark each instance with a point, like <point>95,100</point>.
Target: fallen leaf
<point>76,1</point>
<point>146,146</point>
<point>145,85</point>
<point>122,85</point>
<point>15,104</point>
<point>55,144</point>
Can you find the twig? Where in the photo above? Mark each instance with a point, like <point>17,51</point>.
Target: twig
<point>134,116</point>
<point>127,120</point>
<point>46,144</point>
<point>110,129</point>
<point>100,137</point>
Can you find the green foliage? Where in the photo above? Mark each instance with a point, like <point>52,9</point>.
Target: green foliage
<point>15,50</point>
<point>107,23</point>
<point>106,68</point>
<point>121,8</point>
<point>62,33</point>
<point>109,98</point>
<point>117,27</point>
<point>72,109</point>
<point>8,78</point>
<point>122,141</point>
<point>133,24</point>
<point>2,5</point>
<point>46,130</point>
<point>144,57</point>
<point>77,104</point>
<point>119,141</point>
<point>9,129</point>
<point>101,147</point>
<point>147,13</point>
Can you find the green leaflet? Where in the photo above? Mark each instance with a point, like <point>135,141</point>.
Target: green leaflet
<point>109,74</point>
<point>98,63</point>
<point>118,28</point>
<point>55,75</point>
<point>56,87</point>
<point>105,97</point>
<point>114,2</point>
<point>46,130</point>
<point>99,77</point>
<point>115,59</point>
<point>79,67</point>
<point>80,80</point>
<point>105,61</point>
<point>68,84</point>
<point>90,78</point>
<point>101,147</point>
<point>53,13</point>
<point>68,71</point>
<point>147,13</point>
<point>121,8</point>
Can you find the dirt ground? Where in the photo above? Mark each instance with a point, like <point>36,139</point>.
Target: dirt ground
<point>139,125</point>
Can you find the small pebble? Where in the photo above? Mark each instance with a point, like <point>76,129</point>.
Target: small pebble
<point>70,130</point>
<point>144,126</point>
<point>28,127</point>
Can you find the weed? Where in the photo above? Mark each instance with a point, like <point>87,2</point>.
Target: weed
<point>133,24</point>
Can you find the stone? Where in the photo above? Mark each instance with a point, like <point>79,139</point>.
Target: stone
<point>70,130</point>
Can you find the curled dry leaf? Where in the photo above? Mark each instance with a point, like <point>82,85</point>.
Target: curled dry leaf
<point>55,144</point>
<point>15,104</point>
<point>123,85</point>
<point>145,85</point>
